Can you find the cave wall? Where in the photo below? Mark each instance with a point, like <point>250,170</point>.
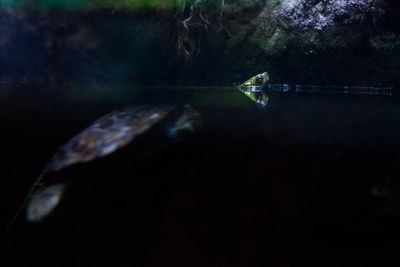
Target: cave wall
<point>70,44</point>
<point>322,42</point>
<point>299,41</point>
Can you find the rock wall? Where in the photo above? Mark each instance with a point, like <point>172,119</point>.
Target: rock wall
<point>323,42</point>
<point>203,41</point>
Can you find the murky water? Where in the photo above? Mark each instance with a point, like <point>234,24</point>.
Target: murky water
<point>310,174</point>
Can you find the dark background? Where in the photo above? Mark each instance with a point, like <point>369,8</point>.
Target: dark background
<point>286,186</point>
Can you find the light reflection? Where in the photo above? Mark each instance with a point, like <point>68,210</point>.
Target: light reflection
<point>259,97</point>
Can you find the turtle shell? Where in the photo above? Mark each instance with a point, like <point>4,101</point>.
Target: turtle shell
<point>107,134</point>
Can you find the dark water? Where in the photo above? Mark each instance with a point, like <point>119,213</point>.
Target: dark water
<point>312,179</point>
